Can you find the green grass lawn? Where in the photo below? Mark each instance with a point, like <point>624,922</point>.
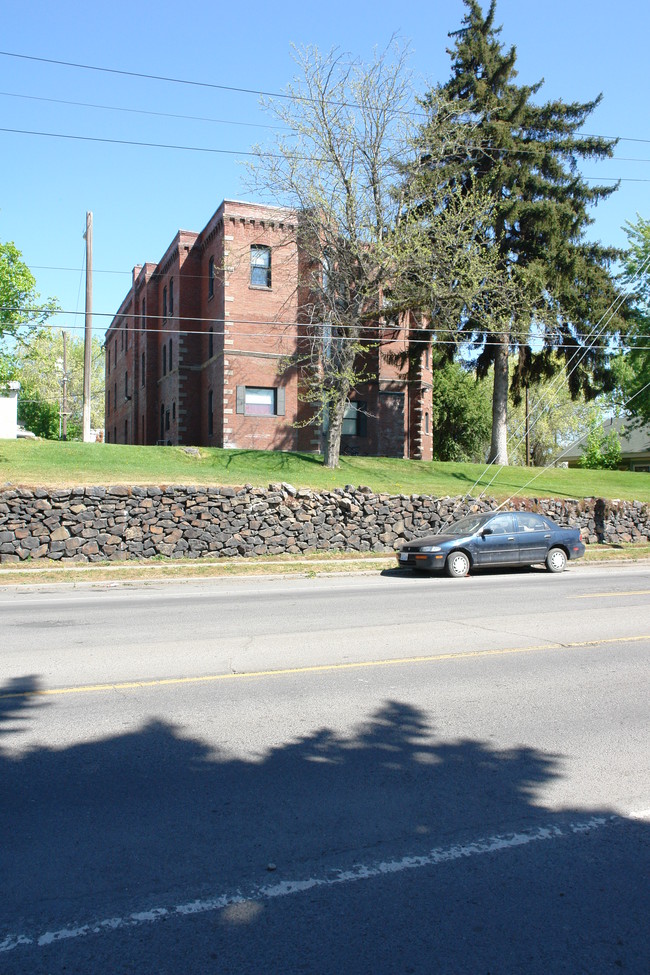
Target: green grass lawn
<point>46,463</point>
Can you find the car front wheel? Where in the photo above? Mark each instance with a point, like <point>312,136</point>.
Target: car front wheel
<point>457,565</point>
<point>556,560</point>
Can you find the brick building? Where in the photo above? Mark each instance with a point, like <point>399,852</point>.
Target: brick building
<point>200,350</point>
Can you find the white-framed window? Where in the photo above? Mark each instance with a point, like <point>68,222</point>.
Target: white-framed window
<point>211,278</point>
<point>260,266</point>
<point>354,420</point>
<point>260,400</point>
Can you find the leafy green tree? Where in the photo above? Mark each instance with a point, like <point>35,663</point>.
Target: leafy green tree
<point>602,450</point>
<point>39,369</point>
<point>21,308</point>
<point>555,422</point>
<point>557,286</point>
<point>461,414</point>
<point>39,416</point>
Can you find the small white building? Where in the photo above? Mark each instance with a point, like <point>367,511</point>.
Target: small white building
<point>9,411</point>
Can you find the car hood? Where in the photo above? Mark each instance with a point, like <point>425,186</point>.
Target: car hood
<point>434,540</point>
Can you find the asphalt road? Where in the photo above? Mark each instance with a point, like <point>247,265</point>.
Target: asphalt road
<point>369,774</point>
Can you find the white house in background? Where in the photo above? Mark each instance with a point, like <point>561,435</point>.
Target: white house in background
<point>9,411</point>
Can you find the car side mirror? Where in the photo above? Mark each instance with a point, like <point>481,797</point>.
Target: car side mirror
<point>486,531</point>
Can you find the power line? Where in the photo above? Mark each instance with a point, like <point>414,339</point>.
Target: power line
<point>154,77</point>
<point>262,125</point>
<point>141,145</point>
<point>243,152</point>
<point>234,88</point>
<point>381,336</point>
<point>75,270</point>
<point>200,118</point>
<point>139,111</point>
<point>179,319</point>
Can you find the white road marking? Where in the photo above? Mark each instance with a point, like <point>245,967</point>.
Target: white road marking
<point>285,888</point>
<point>643,814</point>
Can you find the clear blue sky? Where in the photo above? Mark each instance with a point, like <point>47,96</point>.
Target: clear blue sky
<point>141,196</point>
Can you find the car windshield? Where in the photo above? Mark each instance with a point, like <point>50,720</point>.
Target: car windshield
<point>466,526</point>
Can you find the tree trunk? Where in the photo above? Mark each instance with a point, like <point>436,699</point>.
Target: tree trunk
<point>338,367</point>
<point>499,446</point>
<point>333,435</point>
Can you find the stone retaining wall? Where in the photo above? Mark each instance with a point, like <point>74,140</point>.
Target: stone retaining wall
<point>94,524</point>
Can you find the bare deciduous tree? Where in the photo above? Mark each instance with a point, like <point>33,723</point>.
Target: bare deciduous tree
<point>348,162</point>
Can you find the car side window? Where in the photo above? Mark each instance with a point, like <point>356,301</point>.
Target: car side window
<point>529,522</point>
<point>501,524</point>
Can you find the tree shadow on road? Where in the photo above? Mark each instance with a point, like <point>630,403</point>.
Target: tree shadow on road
<point>150,818</point>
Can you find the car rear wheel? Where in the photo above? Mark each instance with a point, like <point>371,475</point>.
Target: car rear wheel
<point>556,560</point>
<point>457,565</point>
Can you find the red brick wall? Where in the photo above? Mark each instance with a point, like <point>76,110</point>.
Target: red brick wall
<point>255,335</point>
<point>260,325</point>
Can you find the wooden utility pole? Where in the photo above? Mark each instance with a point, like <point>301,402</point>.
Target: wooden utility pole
<point>527,430</point>
<point>88,334</point>
<point>64,410</point>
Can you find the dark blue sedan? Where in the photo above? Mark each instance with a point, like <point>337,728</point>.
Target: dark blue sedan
<point>501,538</point>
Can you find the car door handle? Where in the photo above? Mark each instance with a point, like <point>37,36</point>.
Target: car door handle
<point>511,538</point>
<point>547,536</point>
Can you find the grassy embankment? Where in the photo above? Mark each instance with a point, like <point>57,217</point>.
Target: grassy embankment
<point>51,464</point>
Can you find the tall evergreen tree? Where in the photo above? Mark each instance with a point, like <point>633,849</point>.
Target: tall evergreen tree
<point>557,291</point>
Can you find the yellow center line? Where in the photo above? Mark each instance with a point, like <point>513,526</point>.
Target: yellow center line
<point>319,668</point>
<point>600,595</point>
